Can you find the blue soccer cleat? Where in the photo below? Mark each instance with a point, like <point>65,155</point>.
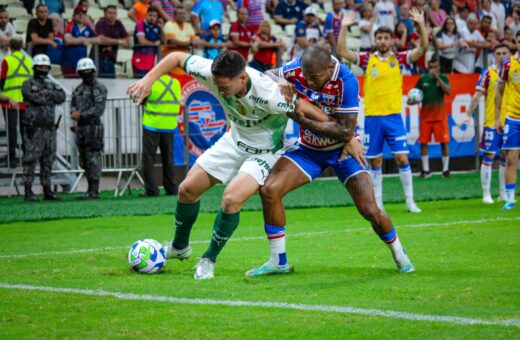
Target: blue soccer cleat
<point>270,268</point>
<point>405,268</point>
<point>509,205</point>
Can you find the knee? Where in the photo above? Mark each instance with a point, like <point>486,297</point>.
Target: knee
<point>371,213</point>
<point>187,194</point>
<point>401,160</point>
<point>270,192</point>
<point>231,203</point>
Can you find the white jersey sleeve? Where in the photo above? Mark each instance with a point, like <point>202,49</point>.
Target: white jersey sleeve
<point>200,69</point>
<point>267,93</point>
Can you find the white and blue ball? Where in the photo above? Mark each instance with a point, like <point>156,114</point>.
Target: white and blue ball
<point>415,95</point>
<point>147,256</point>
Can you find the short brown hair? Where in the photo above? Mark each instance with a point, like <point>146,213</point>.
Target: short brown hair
<point>384,29</point>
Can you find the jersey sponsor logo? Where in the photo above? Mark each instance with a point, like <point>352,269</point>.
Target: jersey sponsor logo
<point>286,106</point>
<point>311,139</point>
<point>248,122</point>
<point>258,100</point>
<point>197,74</point>
<point>207,119</point>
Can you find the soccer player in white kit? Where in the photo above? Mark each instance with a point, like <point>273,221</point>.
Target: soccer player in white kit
<point>244,156</point>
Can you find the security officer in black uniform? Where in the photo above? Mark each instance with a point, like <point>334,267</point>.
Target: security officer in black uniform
<point>87,107</point>
<point>40,96</point>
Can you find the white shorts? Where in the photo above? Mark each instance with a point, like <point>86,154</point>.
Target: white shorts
<point>224,160</point>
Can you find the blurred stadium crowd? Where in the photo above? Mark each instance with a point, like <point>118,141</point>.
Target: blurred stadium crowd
<point>126,38</point>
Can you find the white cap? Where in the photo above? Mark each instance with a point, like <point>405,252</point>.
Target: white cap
<point>214,22</point>
<point>85,64</point>
<point>41,60</point>
<point>310,11</point>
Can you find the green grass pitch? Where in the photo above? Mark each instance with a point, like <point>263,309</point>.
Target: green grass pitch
<point>345,285</point>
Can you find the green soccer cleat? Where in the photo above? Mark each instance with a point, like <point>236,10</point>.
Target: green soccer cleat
<point>270,268</point>
<point>172,253</point>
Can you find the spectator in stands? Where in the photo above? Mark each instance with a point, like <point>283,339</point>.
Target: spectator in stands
<point>333,22</point>
<point>486,11</point>
<point>499,12</point>
<point>139,10</point>
<point>404,16</point>
<point>267,49</point>
<point>112,34</point>
<point>166,8</point>
<point>368,27</point>
<point>78,36</point>
<point>160,112</point>
<point>239,34</point>
<point>385,13</point>
<point>213,42</point>
<point>306,33</point>
<point>434,119</point>
<point>486,57</point>
<point>16,69</point>
<point>88,20</point>
<point>178,34</point>
<point>447,42</point>
<point>513,21</point>
<point>508,39</point>
<point>437,16</point>
<point>255,13</point>
<point>58,26</point>
<point>7,32</point>
<point>40,33</point>
<point>461,18</point>
<point>402,38</point>
<point>204,12</point>
<point>486,26</point>
<point>147,38</point>
<point>55,6</point>
<point>289,12</point>
<point>350,7</point>
<point>472,40</point>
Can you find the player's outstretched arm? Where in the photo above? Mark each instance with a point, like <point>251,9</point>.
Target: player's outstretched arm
<point>310,116</point>
<point>139,90</point>
<point>418,17</point>
<point>342,49</point>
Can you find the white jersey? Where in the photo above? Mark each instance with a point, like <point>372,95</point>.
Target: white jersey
<point>258,119</point>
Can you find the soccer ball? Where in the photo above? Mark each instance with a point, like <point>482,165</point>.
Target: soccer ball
<point>415,95</point>
<point>146,256</point>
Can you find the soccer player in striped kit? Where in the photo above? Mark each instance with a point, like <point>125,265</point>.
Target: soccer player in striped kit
<point>321,79</point>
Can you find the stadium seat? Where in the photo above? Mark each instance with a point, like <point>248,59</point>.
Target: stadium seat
<point>124,54</point>
<point>277,30</point>
<point>68,13</point>
<point>20,25</point>
<point>232,15</point>
<point>127,4</point>
<point>354,31</point>
<point>225,29</point>
<point>96,13</point>
<point>122,13</point>
<point>289,30</point>
<point>129,25</point>
<point>105,3</point>
<point>18,13</point>
<point>353,43</point>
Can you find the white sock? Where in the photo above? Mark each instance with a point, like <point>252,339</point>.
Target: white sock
<point>377,179</point>
<point>502,179</point>
<point>397,251</point>
<point>445,163</point>
<point>425,163</point>
<point>510,192</point>
<point>276,236</point>
<point>405,172</point>
<point>485,178</point>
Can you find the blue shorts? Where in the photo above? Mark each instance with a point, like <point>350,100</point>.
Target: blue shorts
<point>381,128</point>
<point>313,162</point>
<point>491,140</point>
<point>511,139</point>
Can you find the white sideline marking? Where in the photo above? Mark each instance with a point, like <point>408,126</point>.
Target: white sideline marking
<point>254,238</point>
<point>278,305</point>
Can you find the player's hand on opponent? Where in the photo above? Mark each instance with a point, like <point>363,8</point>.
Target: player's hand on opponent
<point>287,90</point>
<point>356,150</point>
<point>349,20</point>
<point>139,90</point>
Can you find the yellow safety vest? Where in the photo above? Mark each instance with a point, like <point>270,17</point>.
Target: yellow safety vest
<point>162,105</point>
<point>19,69</point>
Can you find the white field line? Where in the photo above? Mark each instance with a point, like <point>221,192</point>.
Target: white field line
<point>273,305</point>
<point>255,238</point>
